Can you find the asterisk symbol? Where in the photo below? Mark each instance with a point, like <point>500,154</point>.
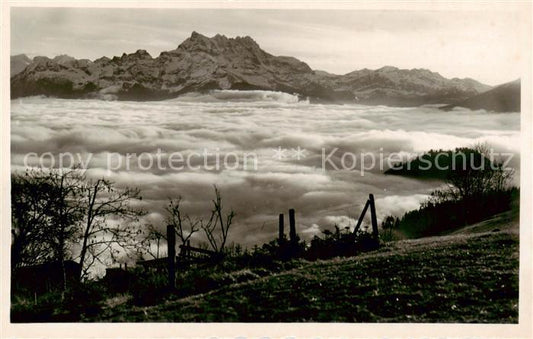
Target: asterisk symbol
<point>279,153</point>
<point>298,153</point>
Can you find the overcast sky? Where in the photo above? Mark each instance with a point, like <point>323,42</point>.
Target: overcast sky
<point>483,45</point>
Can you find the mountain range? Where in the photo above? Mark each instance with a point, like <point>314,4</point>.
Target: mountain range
<point>201,64</point>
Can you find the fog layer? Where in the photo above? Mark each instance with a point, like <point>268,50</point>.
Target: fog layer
<point>285,138</point>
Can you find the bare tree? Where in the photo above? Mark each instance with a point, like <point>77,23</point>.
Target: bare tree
<point>103,201</point>
<point>66,188</point>
<point>152,235</point>
<point>184,225</point>
<point>217,228</point>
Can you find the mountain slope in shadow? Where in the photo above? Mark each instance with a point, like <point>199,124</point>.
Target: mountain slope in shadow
<point>503,98</point>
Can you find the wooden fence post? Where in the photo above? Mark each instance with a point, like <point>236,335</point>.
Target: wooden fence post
<point>281,228</point>
<point>292,225</point>
<point>361,217</point>
<point>373,217</point>
<point>171,240</point>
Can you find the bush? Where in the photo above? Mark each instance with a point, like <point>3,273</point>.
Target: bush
<point>340,243</point>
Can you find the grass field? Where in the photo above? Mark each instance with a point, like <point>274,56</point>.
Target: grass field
<point>467,277</point>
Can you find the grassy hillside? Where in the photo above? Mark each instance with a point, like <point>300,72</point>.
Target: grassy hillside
<point>469,277</point>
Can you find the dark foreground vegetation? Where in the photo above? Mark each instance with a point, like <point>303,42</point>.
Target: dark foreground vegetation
<point>60,230</point>
<point>459,278</point>
<point>470,278</point>
<point>342,275</point>
<point>84,300</point>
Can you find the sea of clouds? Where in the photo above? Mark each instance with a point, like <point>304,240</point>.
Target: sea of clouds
<point>260,123</point>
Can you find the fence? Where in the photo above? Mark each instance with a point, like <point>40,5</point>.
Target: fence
<point>189,253</point>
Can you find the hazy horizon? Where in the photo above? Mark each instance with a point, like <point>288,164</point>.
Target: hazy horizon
<point>455,44</point>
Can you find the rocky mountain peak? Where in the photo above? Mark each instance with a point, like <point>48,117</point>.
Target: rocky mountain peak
<point>219,44</point>
<point>139,55</point>
<point>64,59</point>
<point>142,52</point>
<point>195,41</point>
<point>247,40</point>
<point>197,36</point>
<point>102,60</point>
